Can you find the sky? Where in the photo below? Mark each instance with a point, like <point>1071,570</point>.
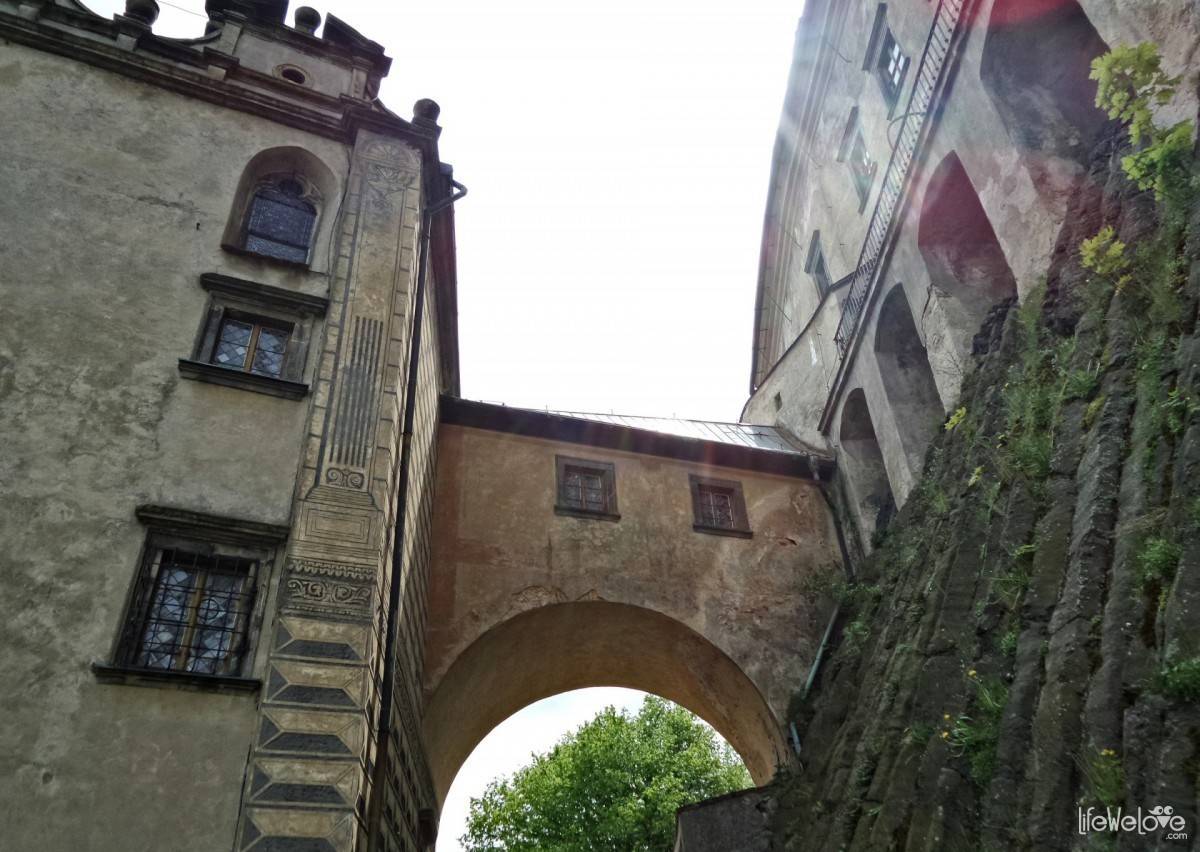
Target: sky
<point>617,157</point>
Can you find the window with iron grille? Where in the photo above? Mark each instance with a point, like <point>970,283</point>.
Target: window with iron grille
<point>190,611</point>
<point>280,220</point>
<point>719,506</point>
<point>193,609</point>
<point>586,487</point>
<point>890,67</point>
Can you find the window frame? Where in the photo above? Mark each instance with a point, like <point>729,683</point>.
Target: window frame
<point>875,64</point>
<point>853,137</point>
<point>608,478</point>
<point>732,487</point>
<point>816,266</point>
<point>274,307</point>
<point>196,532</point>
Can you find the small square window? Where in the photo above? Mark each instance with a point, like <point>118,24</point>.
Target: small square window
<point>253,337</point>
<point>890,68</point>
<point>586,488</point>
<point>193,609</point>
<point>719,507</point>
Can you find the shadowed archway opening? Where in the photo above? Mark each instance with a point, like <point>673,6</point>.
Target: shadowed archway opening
<point>870,489</point>
<point>907,377</point>
<point>561,647</point>
<point>1037,55</point>
<point>964,259</point>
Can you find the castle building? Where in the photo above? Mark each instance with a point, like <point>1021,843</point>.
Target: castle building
<point>923,165</point>
<point>270,579</point>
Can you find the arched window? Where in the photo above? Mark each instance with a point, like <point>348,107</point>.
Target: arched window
<point>280,219</point>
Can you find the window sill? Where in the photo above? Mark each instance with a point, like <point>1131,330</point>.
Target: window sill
<point>726,531</point>
<point>202,372</point>
<point>132,676</point>
<point>572,512</point>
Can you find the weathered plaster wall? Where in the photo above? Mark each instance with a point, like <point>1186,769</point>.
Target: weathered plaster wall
<point>109,221</point>
<point>501,551</point>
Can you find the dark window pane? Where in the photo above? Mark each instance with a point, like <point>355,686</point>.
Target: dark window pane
<point>280,223</point>
<point>267,363</point>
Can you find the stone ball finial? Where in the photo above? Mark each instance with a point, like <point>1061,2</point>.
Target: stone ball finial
<point>144,11</point>
<point>426,109</point>
<point>307,19</point>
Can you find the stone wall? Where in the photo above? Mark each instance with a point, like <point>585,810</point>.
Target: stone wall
<point>1024,642</point>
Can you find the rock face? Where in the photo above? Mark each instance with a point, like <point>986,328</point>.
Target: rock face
<point>1025,641</point>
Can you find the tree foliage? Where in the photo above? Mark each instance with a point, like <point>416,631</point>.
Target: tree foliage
<point>612,785</point>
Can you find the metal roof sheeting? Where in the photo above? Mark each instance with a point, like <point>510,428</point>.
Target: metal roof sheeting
<point>737,434</point>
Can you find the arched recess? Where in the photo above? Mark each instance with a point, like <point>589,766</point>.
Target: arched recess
<point>870,490</point>
<point>293,164</point>
<point>907,377</point>
<point>1037,55</point>
<point>966,264</point>
<point>560,647</point>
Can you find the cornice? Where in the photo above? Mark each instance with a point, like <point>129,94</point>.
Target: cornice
<point>215,79</point>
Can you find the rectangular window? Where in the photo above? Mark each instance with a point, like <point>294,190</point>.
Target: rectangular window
<point>815,266</point>
<point>253,336</point>
<point>890,68</point>
<point>586,487</point>
<point>862,167</point>
<point>719,506</point>
<point>194,616</point>
<point>193,608</point>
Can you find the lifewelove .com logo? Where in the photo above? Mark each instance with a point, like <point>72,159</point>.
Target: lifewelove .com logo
<point>1160,818</point>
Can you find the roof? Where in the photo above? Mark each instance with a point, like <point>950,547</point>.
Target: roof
<point>739,434</point>
<point>759,448</point>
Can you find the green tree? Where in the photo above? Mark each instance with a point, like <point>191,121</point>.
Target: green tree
<point>612,785</point>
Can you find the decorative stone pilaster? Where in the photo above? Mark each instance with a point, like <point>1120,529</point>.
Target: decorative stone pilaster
<point>307,780</point>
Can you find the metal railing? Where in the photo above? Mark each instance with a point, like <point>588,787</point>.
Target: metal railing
<point>929,72</point>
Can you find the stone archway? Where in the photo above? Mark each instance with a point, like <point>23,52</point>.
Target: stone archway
<point>907,377</point>
<point>869,487</point>
<point>965,261</point>
<point>1037,55</point>
<point>564,646</point>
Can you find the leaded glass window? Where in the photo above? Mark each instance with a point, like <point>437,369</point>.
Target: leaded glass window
<point>256,347</point>
<point>194,618</point>
<point>280,222</point>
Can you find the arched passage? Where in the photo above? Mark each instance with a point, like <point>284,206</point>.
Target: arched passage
<point>565,646</point>
<point>1037,55</point>
<point>907,377</point>
<point>966,264</point>
<point>868,482</point>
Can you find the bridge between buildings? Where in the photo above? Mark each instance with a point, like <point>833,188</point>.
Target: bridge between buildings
<point>537,587</point>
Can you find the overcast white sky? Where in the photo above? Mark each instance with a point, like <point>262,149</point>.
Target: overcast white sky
<point>617,157</point>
